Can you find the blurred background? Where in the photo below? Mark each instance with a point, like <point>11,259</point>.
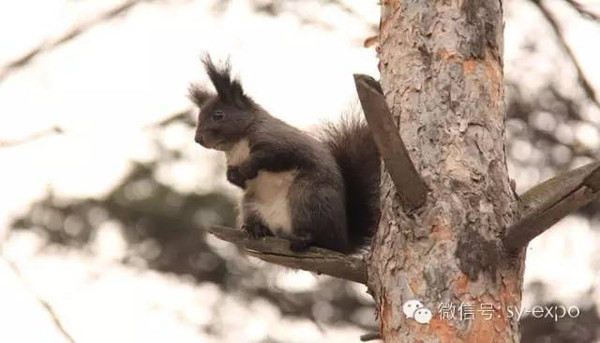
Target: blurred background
<point>103,191</point>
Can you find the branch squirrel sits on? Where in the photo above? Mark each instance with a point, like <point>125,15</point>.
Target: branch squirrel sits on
<point>322,192</point>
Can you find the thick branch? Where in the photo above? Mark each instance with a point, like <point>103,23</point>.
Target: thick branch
<point>552,200</point>
<point>409,185</point>
<point>371,336</point>
<point>276,250</point>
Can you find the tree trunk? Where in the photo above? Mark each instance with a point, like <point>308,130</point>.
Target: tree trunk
<point>442,76</point>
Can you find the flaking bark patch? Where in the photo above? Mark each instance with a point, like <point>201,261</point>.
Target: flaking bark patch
<point>476,254</point>
<point>481,33</point>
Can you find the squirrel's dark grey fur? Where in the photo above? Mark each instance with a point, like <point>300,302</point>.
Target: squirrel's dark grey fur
<point>313,192</point>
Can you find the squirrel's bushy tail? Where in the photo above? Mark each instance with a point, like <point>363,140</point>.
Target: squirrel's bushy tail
<point>351,143</point>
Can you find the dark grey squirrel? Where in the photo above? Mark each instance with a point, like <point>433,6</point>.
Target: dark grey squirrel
<point>322,192</point>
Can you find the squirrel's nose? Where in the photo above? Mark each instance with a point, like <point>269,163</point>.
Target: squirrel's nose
<point>199,140</point>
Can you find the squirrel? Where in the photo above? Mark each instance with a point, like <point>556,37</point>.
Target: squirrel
<point>322,192</point>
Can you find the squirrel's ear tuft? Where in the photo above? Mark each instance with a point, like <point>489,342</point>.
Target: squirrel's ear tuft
<point>198,95</point>
<point>230,91</point>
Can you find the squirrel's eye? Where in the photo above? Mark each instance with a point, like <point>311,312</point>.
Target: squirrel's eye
<point>218,115</point>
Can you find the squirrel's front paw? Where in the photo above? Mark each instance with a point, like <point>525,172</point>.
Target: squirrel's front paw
<point>256,231</point>
<point>235,176</point>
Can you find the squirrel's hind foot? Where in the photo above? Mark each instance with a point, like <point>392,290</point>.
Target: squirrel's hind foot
<point>300,245</point>
<point>256,231</point>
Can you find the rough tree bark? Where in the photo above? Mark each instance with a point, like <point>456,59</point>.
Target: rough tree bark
<point>442,76</point>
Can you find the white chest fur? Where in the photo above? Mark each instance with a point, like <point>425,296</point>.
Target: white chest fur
<point>269,191</point>
<point>238,153</point>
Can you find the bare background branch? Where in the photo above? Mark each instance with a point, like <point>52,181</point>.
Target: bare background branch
<point>583,80</point>
<point>75,32</point>
<point>583,11</point>
<point>185,117</point>
<point>45,304</point>
<point>34,136</point>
